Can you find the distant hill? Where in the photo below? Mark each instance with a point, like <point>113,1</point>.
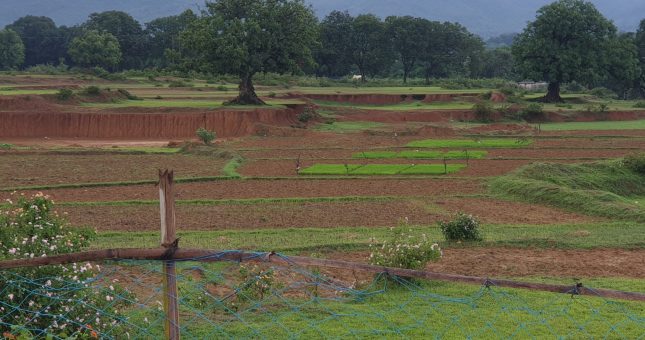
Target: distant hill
<point>485,17</point>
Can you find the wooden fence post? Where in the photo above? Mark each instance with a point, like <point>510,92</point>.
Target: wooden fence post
<point>169,241</point>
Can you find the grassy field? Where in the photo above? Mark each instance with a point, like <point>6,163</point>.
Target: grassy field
<point>469,143</point>
<point>382,169</point>
<point>348,127</point>
<point>606,125</point>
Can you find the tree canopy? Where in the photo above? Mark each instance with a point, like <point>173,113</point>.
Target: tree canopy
<point>95,48</point>
<point>43,41</point>
<point>126,30</point>
<point>570,40</point>
<point>12,50</point>
<point>246,37</point>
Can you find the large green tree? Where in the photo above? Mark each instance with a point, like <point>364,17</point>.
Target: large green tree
<point>451,50</point>
<point>44,42</point>
<point>370,45</point>
<point>498,63</point>
<point>246,37</point>
<point>12,50</point>
<point>569,41</point>
<point>408,40</point>
<point>333,55</point>
<point>128,32</point>
<point>95,48</point>
<point>164,36</point>
<point>640,46</point>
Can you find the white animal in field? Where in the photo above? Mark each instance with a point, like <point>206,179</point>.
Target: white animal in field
<point>357,77</point>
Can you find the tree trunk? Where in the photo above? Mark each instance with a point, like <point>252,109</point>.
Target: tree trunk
<point>405,76</point>
<point>553,93</point>
<point>427,76</point>
<point>247,95</point>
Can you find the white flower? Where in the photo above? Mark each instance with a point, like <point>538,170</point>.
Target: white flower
<point>10,297</point>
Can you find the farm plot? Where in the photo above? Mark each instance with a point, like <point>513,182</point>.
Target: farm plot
<point>382,169</point>
<point>419,154</point>
<point>470,143</point>
<point>28,169</point>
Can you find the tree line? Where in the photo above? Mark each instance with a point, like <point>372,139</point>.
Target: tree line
<point>570,40</point>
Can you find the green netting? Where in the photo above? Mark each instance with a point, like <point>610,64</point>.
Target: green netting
<point>224,299</point>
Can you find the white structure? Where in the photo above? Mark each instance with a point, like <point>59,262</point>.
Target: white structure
<point>357,77</point>
<point>532,86</point>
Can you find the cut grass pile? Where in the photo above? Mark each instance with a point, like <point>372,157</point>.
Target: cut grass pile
<point>470,143</point>
<point>600,189</point>
<point>417,154</point>
<point>381,169</point>
<point>605,125</point>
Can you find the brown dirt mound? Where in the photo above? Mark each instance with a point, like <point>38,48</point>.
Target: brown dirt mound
<point>497,97</point>
<point>25,103</point>
<point>587,116</point>
<point>227,123</point>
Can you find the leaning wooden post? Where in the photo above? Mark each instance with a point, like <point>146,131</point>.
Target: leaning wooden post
<point>169,241</point>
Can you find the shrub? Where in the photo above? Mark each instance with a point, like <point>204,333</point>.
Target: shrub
<point>6,146</point>
<point>64,94</point>
<point>404,250</point>
<point>206,136</point>
<point>222,88</point>
<point>306,115</point>
<point>533,111</point>
<point>92,91</point>
<point>604,93</point>
<point>179,83</point>
<point>640,105</point>
<point>487,95</point>
<point>128,95</point>
<point>272,94</point>
<point>635,162</point>
<point>508,90</point>
<point>598,108</point>
<point>573,87</point>
<point>30,228</point>
<point>463,228</point>
<point>483,111</point>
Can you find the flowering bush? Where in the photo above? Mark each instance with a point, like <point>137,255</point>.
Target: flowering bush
<point>52,299</point>
<point>404,250</point>
<point>464,227</point>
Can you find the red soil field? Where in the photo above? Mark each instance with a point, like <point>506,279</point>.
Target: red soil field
<point>319,214</point>
<point>509,262</point>
<point>239,189</point>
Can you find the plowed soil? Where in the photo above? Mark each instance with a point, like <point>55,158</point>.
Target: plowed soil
<point>235,189</point>
<point>42,169</point>
<point>507,262</point>
<point>319,214</point>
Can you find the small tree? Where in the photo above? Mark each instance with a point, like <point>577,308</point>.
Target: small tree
<point>12,50</point>
<point>483,111</point>
<point>405,250</point>
<point>95,48</point>
<point>206,136</point>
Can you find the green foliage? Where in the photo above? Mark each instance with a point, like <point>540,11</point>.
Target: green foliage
<point>64,94</point>
<point>31,228</point>
<point>44,43</point>
<point>464,227</point>
<point>12,50</point>
<point>127,34</point>
<point>532,112</point>
<point>91,91</point>
<point>603,93</point>
<point>404,249</point>
<point>128,95</point>
<point>205,136</point>
<point>264,41</point>
<point>6,146</point>
<point>635,162</point>
<point>600,188</point>
<point>222,88</point>
<point>306,115</point>
<point>257,282</point>
<point>570,40</point>
<point>640,105</point>
<point>483,111</point>
<point>95,48</point>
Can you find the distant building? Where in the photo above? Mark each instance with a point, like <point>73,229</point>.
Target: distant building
<point>532,86</point>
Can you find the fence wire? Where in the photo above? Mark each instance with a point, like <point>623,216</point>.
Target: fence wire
<point>230,299</point>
